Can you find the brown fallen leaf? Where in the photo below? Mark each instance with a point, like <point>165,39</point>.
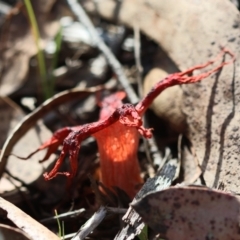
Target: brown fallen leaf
<point>11,114</point>
<point>190,32</point>
<point>30,120</point>
<point>23,221</point>
<point>181,213</point>
<point>8,232</point>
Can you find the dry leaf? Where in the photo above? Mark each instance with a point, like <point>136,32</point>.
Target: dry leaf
<point>191,32</point>
<point>210,105</point>
<point>27,172</point>
<point>23,221</point>
<point>30,120</point>
<point>181,213</point>
<point>7,232</point>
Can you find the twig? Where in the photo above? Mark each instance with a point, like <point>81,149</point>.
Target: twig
<point>82,17</point>
<point>137,54</point>
<point>63,216</point>
<point>151,149</point>
<point>116,210</point>
<point>91,224</point>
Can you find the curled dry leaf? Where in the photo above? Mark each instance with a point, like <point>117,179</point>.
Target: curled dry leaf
<point>189,32</point>
<point>11,115</point>
<point>8,232</point>
<point>23,221</point>
<point>30,120</point>
<point>181,213</point>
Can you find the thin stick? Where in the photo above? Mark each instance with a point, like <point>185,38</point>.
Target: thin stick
<point>137,55</point>
<point>82,17</point>
<point>151,149</point>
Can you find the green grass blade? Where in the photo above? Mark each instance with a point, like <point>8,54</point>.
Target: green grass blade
<point>40,56</point>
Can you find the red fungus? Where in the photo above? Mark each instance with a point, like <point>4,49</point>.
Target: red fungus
<point>117,133</point>
<point>118,146</point>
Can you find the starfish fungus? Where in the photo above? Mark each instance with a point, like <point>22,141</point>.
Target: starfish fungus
<point>117,133</point>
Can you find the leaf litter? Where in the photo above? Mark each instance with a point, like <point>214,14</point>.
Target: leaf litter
<point>191,213</point>
<point>196,102</point>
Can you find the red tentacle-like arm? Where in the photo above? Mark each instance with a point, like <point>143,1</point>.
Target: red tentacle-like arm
<point>117,133</point>
<point>182,78</point>
<point>126,115</point>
